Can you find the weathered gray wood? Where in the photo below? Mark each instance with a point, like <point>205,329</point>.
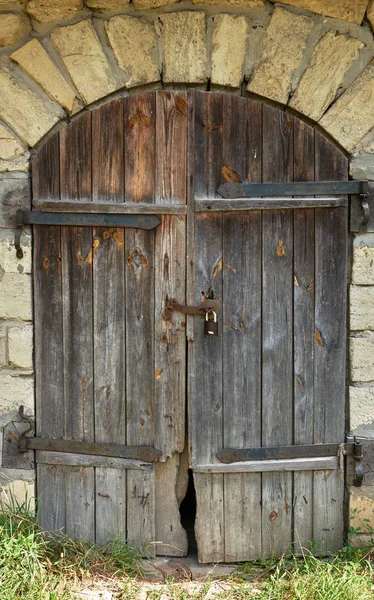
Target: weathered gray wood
<point>77,254</point>
<point>109,325</point>
<point>266,203</point>
<point>264,466</point>
<point>277,361</point>
<point>85,460</point>
<point>139,154</point>
<point>241,270</point>
<point>205,353</point>
<point>123,208</point>
<point>329,347</point>
<point>303,335</point>
<point>48,339</point>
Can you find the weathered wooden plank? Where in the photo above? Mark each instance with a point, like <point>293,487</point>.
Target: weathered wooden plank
<point>241,269</point>
<point>110,207</point>
<point>264,466</point>
<point>303,335</point>
<point>329,345</point>
<point>205,353</point>
<point>266,203</point>
<point>140,309</point>
<point>109,324</point>
<point>48,338</point>
<point>77,255</point>
<point>277,360</point>
<point>84,460</point>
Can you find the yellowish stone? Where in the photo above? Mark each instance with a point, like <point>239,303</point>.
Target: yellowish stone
<point>13,28</point>
<point>230,35</point>
<point>349,10</point>
<point>46,11</point>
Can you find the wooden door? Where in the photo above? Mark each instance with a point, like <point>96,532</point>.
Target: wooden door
<point>274,376</point>
<point>108,367</point>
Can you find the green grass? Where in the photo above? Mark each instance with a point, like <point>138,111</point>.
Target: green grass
<point>36,567</point>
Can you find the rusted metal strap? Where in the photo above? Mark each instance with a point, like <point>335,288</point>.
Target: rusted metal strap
<point>230,455</point>
<point>144,453</point>
<point>308,188</point>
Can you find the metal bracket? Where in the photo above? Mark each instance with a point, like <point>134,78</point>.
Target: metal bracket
<point>208,305</point>
<point>15,454</point>
<point>359,468</point>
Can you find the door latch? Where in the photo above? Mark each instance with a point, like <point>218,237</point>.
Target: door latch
<point>209,309</point>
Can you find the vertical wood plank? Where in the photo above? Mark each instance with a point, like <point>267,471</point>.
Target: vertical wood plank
<point>277,367</point>
<point>170,336</point>
<point>205,353</point>
<point>329,345</point>
<point>77,256</point>
<point>139,156</point>
<point>109,319</point>
<point>242,330</point>
<point>48,339</point>
<point>303,335</point>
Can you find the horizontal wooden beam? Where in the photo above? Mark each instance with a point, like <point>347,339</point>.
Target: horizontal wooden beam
<point>85,460</point>
<point>214,205</point>
<point>119,208</point>
<point>260,466</point>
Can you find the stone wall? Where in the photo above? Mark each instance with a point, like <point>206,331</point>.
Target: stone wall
<point>57,58</point>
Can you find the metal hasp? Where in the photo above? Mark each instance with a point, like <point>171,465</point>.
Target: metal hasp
<point>208,305</point>
<point>28,217</point>
<point>232,455</point>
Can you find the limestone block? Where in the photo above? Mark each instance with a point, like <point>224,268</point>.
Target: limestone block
<point>9,263</point>
<point>14,194</point>
<point>3,345</point>
<point>361,355</point>
<point>348,10</point>
<point>134,44</point>
<point>103,5</point>
<point>363,259</point>
<point>361,403</point>
<point>146,4</point>
<point>85,60</point>
<point>184,44</point>
<point>362,166</point>
<point>35,61</point>
<point>352,115</point>
<point>24,111</point>
<point>361,505</point>
<point>20,346</point>
<point>230,36</point>
<point>362,541</point>
<point>10,146</point>
<point>370,13</point>
<point>20,491</point>
<point>46,11</point>
<point>361,308</point>
<point>281,55</point>
<point>14,391</point>
<point>331,59</point>
<point>13,28</point>
<point>246,3</point>
<point>16,297</point>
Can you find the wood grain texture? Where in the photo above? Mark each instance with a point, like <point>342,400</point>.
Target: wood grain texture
<point>70,459</point>
<point>277,367</point>
<point>247,204</point>
<point>109,207</point>
<point>330,345</point>
<point>263,466</point>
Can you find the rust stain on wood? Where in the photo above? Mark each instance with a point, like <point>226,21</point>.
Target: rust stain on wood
<point>231,326</point>
<point>230,175</point>
<point>306,288</point>
<point>318,338</point>
<point>46,263</point>
<point>281,251</point>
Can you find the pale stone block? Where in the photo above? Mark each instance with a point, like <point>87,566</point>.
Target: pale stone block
<point>361,308</point>
<point>14,391</point>
<point>361,403</point>
<point>348,10</point>
<point>370,13</point>
<point>10,146</point>
<point>14,194</point>
<point>145,4</point>
<point>35,61</point>
<point>230,36</point>
<point>184,44</point>
<point>18,492</point>
<point>361,354</point>
<point>361,500</point>
<point>9,263</point>
<point>46,11</point>
<point>281,55</point>
<point>362,540</point>
<point>363,259</point>
<point>362,165</point>
<point>24,111</point>
<point>21,164</point>
<point>85,60</point>
<point>352,115</point>
<point>134,44</point>
<point>16,297</point>
<point>20,346</point>
<point>3,345</point>
<point>13,28</point>
<point>331,59</point>
<point>245,3</point>
<point>103,5</point>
